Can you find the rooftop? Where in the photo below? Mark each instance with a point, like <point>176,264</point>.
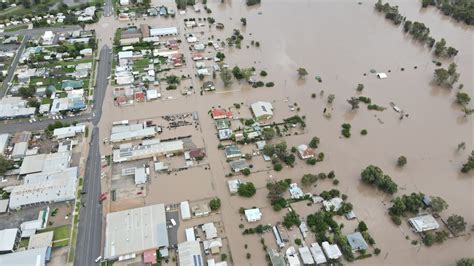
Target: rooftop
<point>423,223</point>
<point>357,241</point>
<point>135,230</point>
<point>37,257</point>
<point>189,254</point>
<point>41,240</point>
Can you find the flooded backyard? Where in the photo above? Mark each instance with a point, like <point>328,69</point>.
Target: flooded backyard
<point>339,41</point>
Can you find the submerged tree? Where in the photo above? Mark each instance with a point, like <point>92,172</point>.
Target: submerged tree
<point>456,224</point>
<point>302,72</point>
<point>226,76</point>
<point>354,102</point>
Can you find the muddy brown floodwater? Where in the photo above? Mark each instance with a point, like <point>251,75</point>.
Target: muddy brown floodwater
<point>340,41</point>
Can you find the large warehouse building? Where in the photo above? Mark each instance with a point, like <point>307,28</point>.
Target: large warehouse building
<point>131,232</point>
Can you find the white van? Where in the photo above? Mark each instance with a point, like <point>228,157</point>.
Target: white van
<point>173,222</point>
<point>98,259</point>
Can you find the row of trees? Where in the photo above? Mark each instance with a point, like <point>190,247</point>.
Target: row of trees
<point>446,77</point>
<point>373,175</point>
<point>418,30</point>
<point>460,10</point>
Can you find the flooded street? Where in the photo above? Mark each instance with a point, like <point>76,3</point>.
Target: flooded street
<point>338,41</point>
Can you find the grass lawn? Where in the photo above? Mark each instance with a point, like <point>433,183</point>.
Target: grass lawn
<point>46,100</point>
<point>18,27</point>
<point>24,243</point>
<point>141,64</point>
<point>60,232</point>
<point>74,62</point>
<point>20,10</point>
<point>62,243</point>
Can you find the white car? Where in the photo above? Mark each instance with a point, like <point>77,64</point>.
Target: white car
<point>98,259</point>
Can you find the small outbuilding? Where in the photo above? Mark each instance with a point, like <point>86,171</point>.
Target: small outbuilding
<point>253,215</point>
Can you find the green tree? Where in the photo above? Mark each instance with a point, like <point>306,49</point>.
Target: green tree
<point>268,133</point>
<point>277,167</point>
<point>244,21</point>
<point>220,55</point>
<point>314,143</point>
<point>27,92</point>
<point>362,227</point>
<point>308,179</point>
<point>360,87</point>
<point>465,262</point>
<point>441,76</point>
<point>354,102</point>
<point>290,219</point>
<point>215,204</point>
<point>302,72</point>
<point>298,242</point>
<point>438,204</point>
<point>469,165</point>
<point>331,98</point>
<point>247,190</point>
<point>5,164</point>
<point>440,47</point>
<point>263,73</point>
<point>226,76</point>
<point>401,161</point>
<point>463,98</point>
<point>245,172</point>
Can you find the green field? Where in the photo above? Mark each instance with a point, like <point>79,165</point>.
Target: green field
<point>20,10</point>
<point>15,28</point>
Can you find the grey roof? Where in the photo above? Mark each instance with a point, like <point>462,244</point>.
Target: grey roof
<point>357,241</point>
<point>135,230</point>
<point>3,205</point>
<point>37,257</point>
<point>41,240</point>
<point>45,162</point>
<point>45,187</point>
<point>3,142</point>
<point>232,151</point>
<point>238,165</point>
<point>8,237</point>
<point>19,150</point>
<point>189,254</point>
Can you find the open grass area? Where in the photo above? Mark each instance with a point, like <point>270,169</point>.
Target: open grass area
<point>24,243</point>
<point>60,232</point>
<point>16,28</point>
<point>141,64</point>
<point>74,62</point>
<point>20,10</point>
<point>61,243</point>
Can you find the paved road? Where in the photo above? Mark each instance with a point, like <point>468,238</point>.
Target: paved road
<point>12,67</point>
<point>108,8</point>
<point>89,239</point>
<point>13,127</point>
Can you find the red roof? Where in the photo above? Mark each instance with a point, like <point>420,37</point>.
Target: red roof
<point>196,153</point>
<point>221,113</point>
<point>149,256</point>
<point>121,99</point>
<point>308,152</point>
<point>140,96</point>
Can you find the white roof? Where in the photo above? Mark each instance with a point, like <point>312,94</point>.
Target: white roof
<point>11,107</point>
<point>19,149</point>
<point>45,187</point>
<point>332,251</point>
<point>135,230</point>
<point>140,175</point>
<point>3,142</point>
<point>234,185</point>
<point>317,253</point>
<point>163,31</point>
<point>295,191</point>
<point>190,235</point>
<point>67,132</point>
<point>262,109</point>
<point>4,205</point>
<point>423,223</point>
<point>185,210</point>
<point>125,54</point>
<point>381,75</point>
<point>189,254</point>
<point>210,230</point>
<point>8,237</point>
<point>147,151</point>
<point>130,132</point>
<point>152,94</point>
<point>334,203</point>
<point>253,215</point>
<point>45,162</point>
<point>35,257</point>
<point>306,255</point>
